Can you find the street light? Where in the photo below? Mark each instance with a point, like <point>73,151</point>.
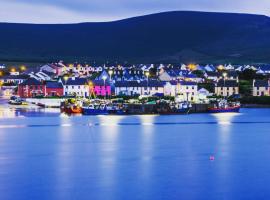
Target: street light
<point>12,69</point>
<point>147,75</point>
<point>22,68</point>
<point>110,73</point>
<point>90,84</point>
<point>65,79</point>
<point>104,79</point>
<point>224,77</point>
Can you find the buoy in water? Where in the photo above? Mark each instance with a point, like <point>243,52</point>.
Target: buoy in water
<point>212,158</point>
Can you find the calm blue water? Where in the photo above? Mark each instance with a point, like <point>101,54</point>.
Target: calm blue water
<point>53,156</point>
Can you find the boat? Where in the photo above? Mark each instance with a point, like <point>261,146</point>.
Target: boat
<point>183,107</point>
<point>223,106</point>
<point>14,100</point>
<point>71,106</point>
<point>95,109</point>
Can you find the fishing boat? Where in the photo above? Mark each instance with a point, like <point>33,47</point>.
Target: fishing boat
<point>71,106</point>
<point>95,109</point>
<point>224,106</point>
<point>14,100</point>
<point>183,107</point>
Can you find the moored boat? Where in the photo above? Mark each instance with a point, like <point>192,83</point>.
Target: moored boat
<point>15,100</point>
<point>71,106</point>
<point>95,109</point>
<point>224,106</point>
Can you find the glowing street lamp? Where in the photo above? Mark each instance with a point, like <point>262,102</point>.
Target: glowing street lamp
<point>110,73</point>
<point>12,69</point>
<point>22,68</point>
<point>91,90</point>
<point>224,77</point>
<point>104,79</point>
<point>220,67</point>
<point>147,75</point>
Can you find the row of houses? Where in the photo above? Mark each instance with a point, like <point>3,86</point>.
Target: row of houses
<point>84,88</point>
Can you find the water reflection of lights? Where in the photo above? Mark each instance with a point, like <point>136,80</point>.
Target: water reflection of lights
<point>147,120</point>
<point>106,120</point>
<point>225,118</point>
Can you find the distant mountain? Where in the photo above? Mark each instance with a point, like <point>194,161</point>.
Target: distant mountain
<point>165,37</point>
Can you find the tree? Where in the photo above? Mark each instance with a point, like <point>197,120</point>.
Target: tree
<point>250,74</point>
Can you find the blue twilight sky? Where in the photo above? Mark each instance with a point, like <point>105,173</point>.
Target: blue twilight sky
<point>70,11</point>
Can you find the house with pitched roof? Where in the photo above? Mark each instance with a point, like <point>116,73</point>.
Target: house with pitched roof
<point>101,88</point>
<point>133,88</point>
<point>31,88</point>
<point>76,87</point>
<point>54,88</point>
<point>226,88</point>
<point>261,88</point>
<point>186,89</point>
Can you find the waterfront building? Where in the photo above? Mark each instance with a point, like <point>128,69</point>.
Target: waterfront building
<point>54,88</point>
<point>261,88</point>
<point>186,89</point>
<point>101,88</point>
<point>76,87</point>
<point>31,88</point>
<point>133,88</point>
<point>226,88</point>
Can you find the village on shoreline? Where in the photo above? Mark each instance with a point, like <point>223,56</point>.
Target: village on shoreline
<point>191,82</point>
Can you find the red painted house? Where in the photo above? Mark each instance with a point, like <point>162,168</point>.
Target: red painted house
<point>53,88</point>
<point>31,88</point>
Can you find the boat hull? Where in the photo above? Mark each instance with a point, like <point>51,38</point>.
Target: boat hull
<point>224,110</point>
<point>87,111</point>
<point>72,110</point>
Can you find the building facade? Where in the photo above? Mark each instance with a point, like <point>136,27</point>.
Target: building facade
<point>260,88</point>
<point>226,88</point>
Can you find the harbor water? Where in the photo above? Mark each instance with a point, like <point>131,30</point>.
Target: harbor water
<point>48,155</point>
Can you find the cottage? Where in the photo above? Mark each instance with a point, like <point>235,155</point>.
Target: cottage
<point>101,88</point>
<point>226,88</point>
<point>187,90</point>
<point>132,88</point>
<point>31,88</point>
<point>76,86</point>
<point>54,88</point>
<point>261,88</point>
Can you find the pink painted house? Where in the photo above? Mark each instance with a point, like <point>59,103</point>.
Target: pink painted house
<point>101,89</point>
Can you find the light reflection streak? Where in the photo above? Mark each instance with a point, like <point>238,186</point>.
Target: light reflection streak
<point>109,149</point>
<point>225,118</point>
<point>64,159</point>
<point>147,151</point>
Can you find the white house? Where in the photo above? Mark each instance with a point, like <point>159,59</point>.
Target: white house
<point>133,88</point>
<point>203,94</point>
<point>76,86</point>
<point>187,91</point>
<point>261,88</point>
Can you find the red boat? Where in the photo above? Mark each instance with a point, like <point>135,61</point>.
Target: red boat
<point>71,106</point>
<point>223,107</point>
<point>223,110</point>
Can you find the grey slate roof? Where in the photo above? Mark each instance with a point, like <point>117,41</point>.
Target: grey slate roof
<point>31,81</point>
<point>261,83</point>
<point>227,83</point>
